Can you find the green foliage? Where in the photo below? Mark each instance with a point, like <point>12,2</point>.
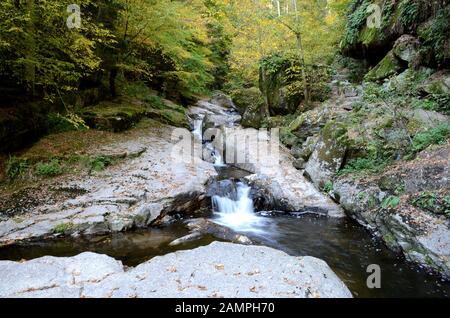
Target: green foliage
<point>99,163</point>
<point>49,169</point>
<point>370,164</point>
<point>328,186</point>
<point>433,202</point>
<point>63,228</point>
<point>436,102</point>
<point>274,63</point>
<point>409,12</point>
<point>426,200</point>
<point>447,205</point>
<point>435,35</point>
<point>16,166</point>
<point>40,52</point>
<point>59,123</point>
<point>435,136</point>
<point>390,202</point>
<point>356,19</point>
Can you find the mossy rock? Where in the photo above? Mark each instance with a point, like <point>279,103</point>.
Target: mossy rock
<point>328,155</point>
<point>246,97</point>
<point>389,66</point>
<point>250,102</point>
<point>123,114</point>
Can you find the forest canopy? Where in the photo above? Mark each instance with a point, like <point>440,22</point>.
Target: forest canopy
<point>180,48</point>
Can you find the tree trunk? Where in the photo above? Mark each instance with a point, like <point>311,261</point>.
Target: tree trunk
<point>264,111</point>
<point>112,81</point>
<point>300,53</point>
<point>30,71</point>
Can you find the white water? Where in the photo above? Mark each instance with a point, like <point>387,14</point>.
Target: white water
<point>198,129</point>
<point>218,160</point>
<point>238,215</point>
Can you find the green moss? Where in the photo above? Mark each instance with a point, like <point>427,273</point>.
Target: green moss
<point>386,68</point>
<point>296,123</point>
<point>63,228</point>
<point>369,35</point>
<point>389,239</point>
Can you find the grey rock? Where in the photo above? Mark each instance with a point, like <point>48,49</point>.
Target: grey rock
<point>216,270</point>
<point>423,237</point>
<point>222,100</point>
<point>299,164</point>
<point>149,184</point>
<point>327,157</point>
<point>204,226</point>
<point>406,48</point>
<point>275,178</point>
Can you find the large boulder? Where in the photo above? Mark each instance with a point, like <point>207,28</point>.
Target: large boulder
<point>438,83</point>
<point>154,186</point>
<point>220,270</point>
<point>252,103</point>
<point>222,100</point>
<point>244,98</point>
<point>398,18</point>
<point>389,65</point>
<point>406,48</point>
<point>328,155</point>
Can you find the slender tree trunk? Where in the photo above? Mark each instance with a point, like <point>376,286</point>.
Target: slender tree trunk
<point>300,53</point>
<point>30,71</point>
<point>264,111</point>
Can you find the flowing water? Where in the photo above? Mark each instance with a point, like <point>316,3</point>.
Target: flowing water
<point>343,244</point>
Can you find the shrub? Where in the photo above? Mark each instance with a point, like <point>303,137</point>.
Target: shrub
<point>63,228</point>
<point>50,169</point>
<point>436,135</point>
<point>15,167</point>
<point>391,201</point>
<point>59,123</point>
<point>328,186</point>
<point>99,163</point>
<point>364,164</point>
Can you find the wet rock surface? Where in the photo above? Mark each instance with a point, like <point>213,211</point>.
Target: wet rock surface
<point>217,270</point>
<point>149,185</point>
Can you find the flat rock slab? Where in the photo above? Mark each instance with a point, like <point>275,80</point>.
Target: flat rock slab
<point>151,181</point>
<point>216,270</point>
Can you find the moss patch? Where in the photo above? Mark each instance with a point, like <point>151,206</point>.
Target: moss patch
<point>386,68</point>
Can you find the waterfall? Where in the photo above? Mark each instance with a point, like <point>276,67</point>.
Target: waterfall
<point>237,212</point>
<point>218,160</point>
<point>198,129</point>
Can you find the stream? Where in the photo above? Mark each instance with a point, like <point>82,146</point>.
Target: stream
<point>342,243</point>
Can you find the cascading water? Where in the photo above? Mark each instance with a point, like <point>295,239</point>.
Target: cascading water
<point>198,129</point>
<point>237,211</point>
<point>218,160</point>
